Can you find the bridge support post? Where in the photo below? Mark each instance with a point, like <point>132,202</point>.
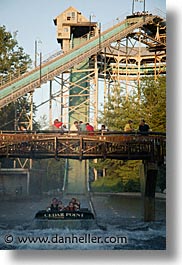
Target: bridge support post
<point>150,179</point>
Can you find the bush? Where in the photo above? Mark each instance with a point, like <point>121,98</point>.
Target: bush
<point>115,185</point>
<point>107,185</point>
<point>132,186</point>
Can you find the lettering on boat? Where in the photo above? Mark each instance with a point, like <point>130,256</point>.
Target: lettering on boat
<point>62,215</point>
<point>75,215</point>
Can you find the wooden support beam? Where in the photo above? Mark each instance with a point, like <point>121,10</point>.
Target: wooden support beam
<point>150,174</point>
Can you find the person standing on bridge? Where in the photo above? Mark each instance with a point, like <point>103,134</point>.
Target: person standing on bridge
<point>22,128</point>
<point>74,126</point>
<point>64,129</point>
<point>89,128</point>
<point>82,126</point>
<point>57,124</point>
<point>129,126</point>
<point>103,129</point>
<point>143,127</point>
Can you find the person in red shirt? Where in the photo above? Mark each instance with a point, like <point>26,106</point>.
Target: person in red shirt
<point>57,123</point>
<point>89,128</point>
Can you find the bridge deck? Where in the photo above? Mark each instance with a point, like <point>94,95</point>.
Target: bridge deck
<point>114,145</point>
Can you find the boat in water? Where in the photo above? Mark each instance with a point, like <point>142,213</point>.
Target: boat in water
<point>82,214</point>
<point>59,216</point>
<point>82,219</point>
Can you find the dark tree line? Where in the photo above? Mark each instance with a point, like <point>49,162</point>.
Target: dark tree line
<point>13,62</point>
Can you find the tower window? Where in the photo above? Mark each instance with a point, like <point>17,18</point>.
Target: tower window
<point>73,15</point>
<point>69,16</point>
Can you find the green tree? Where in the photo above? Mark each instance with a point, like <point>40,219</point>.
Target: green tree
<point>43,122</point>
<point>119,109</point>
<point>153,103</point>
<point>151,106</point>
<point>13,61</point>
<point>17,114</point>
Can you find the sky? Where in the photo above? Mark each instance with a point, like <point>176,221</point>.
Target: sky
<point>33,20</point>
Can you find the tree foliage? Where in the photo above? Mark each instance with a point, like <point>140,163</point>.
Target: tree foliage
<point>153,103</point>
<point>150,105</point>
<point>13,60</point>
<point>12,56</point>
<point>17,114</point>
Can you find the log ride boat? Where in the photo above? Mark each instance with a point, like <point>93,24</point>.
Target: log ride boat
<point>81,214</point>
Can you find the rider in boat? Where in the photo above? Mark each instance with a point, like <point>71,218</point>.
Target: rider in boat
<point>76,204</point>
<point>60,206</point>
<point>54,204</point>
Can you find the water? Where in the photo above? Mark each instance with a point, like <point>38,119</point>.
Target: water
<point>119,226</point>
<point>137,236</point>
<point>77,177</point>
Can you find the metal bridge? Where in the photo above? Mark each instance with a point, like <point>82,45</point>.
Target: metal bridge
<point>112,145</point>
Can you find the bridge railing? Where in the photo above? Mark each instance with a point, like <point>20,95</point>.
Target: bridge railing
<point>96,132</point>
<point>111,136</point>
<point>114,145</point>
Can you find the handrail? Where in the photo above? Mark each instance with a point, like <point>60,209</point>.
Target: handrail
<point>96,132</point>
<point>125,147</point>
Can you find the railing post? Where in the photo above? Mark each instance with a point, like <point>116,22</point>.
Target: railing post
<point>55,147</point>
<point>81,147</point>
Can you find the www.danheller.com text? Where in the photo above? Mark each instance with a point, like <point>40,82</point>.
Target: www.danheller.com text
<point>60,239</point>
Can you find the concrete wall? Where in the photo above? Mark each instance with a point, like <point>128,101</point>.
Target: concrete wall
<point>14,182</point>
